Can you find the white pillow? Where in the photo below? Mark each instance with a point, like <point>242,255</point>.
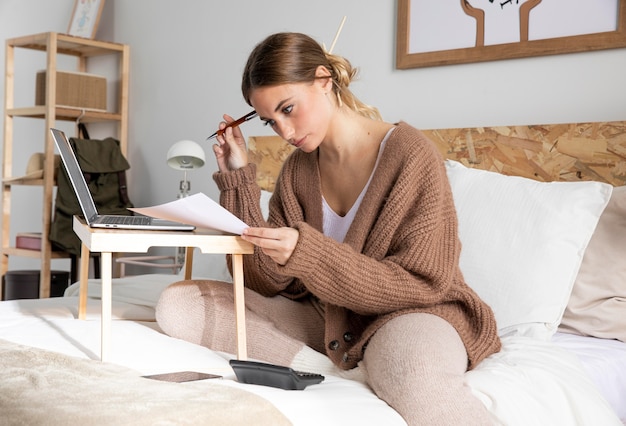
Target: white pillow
<point>523,243</point>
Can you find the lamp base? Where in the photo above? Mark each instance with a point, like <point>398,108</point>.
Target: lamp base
<point>185,187</point>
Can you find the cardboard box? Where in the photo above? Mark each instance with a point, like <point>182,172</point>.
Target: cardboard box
<point>75,89</point>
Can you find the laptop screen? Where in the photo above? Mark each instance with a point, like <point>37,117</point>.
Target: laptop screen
<point>75,174</point>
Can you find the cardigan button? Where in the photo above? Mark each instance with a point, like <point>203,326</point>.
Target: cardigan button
<point>334,345</point>
<point>347,336</point>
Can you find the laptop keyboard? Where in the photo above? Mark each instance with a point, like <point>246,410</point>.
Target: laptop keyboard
<point>125,220</point>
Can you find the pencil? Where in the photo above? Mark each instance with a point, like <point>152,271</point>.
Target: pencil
<point>235,123</point>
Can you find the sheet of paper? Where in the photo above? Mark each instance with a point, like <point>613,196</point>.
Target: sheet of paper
<point>198,210</point>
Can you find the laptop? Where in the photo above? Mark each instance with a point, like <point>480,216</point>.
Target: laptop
<point>87,205</point>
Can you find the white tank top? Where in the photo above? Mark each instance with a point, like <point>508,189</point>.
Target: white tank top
<point>335,226</point>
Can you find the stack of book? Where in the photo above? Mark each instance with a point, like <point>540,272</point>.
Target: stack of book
<point>28,240</point>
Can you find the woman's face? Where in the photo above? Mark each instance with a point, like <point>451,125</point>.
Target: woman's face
<point>299,113</point>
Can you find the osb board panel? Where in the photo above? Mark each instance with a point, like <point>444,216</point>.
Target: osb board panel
<point>554,152</point>
<point>268,153</point>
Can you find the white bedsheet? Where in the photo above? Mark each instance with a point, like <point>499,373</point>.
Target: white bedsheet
<point>535,382</point>
<point>528,382</point>
<point>605,362</point>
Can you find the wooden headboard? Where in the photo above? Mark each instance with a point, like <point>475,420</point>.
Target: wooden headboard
<point>553,152</point>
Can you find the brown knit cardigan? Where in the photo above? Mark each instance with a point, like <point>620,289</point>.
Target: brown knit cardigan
<point>400,255</point>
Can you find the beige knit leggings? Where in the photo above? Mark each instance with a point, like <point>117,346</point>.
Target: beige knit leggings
<point>421,377</point>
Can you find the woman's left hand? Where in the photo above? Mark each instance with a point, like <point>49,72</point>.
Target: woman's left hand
<point>277,243</point>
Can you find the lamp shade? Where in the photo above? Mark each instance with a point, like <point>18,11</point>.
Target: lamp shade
<point>185,155</point>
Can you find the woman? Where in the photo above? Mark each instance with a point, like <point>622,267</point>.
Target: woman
<point>359,258</point>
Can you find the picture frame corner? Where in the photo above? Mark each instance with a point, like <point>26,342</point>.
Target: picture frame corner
<point>85,18</point>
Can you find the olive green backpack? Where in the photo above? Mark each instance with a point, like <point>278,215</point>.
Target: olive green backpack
<point>104,168</point>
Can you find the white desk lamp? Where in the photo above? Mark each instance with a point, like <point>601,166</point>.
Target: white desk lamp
<point>185,155</point>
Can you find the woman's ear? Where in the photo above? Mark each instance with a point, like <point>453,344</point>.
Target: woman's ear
<point>324,78</point>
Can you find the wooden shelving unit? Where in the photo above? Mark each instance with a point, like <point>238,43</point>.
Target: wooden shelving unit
<point>52,45</point>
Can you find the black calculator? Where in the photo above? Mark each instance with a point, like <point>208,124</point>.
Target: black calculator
<point>259,373</point>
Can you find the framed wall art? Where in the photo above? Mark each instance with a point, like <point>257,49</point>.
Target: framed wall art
<point>85,18</point>
<point>445,32</point>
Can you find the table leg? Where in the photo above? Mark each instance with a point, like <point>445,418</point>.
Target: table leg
<point>106,266</point>
<point>188,262</point>
<point>83,277</point>
<point>240,314</point>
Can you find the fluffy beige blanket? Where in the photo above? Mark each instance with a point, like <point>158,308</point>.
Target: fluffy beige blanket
<point>42,387</point>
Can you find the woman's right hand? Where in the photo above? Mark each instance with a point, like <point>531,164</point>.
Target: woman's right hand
<point>230,150</point>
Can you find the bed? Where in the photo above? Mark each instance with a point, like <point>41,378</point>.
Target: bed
<point>548,258</point>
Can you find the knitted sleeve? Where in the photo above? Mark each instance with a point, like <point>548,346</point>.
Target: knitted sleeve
<point>240,194</point>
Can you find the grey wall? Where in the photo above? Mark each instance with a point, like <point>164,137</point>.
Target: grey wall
<point>187,57</point>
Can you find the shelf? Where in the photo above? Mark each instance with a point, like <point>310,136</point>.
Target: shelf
<point>65,113</point>
<point>24,182</point>
<point>13,251</point>
<point>67,45</point>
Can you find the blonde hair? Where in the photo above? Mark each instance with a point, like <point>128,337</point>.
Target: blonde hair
<point>287,58</point>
